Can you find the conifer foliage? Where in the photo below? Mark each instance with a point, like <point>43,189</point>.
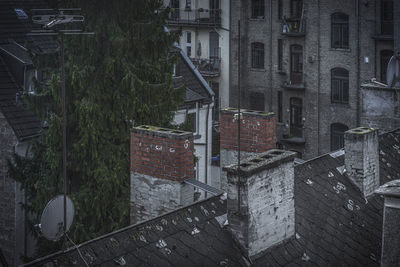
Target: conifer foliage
<point>120,76</point>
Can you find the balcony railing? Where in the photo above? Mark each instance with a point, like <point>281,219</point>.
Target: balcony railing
<point>195,17</point>
<point>208,67</point>
<point>293,27</point>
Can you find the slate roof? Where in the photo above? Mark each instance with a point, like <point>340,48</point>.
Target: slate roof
<point>24,122</point>
<point>197,88</point>
<point>191,236</point>
<point>335,225</point>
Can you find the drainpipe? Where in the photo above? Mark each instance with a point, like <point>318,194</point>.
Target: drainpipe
<point>319,78</point>
<point>358,64</point>
<point>270,56</point>
<point>206,157</point>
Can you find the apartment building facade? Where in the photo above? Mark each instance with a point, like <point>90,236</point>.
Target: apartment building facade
<point>204,25</point>
<point>305,60</point>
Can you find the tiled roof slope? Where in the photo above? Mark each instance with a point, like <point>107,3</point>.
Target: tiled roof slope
<point>191,236</point>
<point>13,28</point>
<point>23,121</point>
<point>389,156</point>
<point>335,224</point>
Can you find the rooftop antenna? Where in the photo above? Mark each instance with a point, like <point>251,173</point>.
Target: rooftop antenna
<point>49,18</point>
<point>393,68</point>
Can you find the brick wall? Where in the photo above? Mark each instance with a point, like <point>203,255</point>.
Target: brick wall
<point>265,186</point>
<point>7,193</point>
<point>161,159</point>
<point>162,153</point>
<point>362,158</point>
<point>257,130</point>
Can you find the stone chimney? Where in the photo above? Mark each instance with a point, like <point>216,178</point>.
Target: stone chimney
<point>391,224</point>
<point>362,158</point>
<point>161,160</point>
<point>261,200</point>
<point>257,135</point>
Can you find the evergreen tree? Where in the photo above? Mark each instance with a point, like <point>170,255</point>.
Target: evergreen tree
<point>119,76</point>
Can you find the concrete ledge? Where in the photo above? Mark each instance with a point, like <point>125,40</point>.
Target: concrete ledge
<point>253,113</point>
<point>162,132</point>
<point>263,161</point>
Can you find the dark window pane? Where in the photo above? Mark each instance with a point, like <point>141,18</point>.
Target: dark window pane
<point>337,135</point>
<point>257,8</point>
<point>257,101</point>
<point>340,30</point>
<point>340,85</point>
<point>257,55</point>
<point>280,108</point>
<point>385,57</point>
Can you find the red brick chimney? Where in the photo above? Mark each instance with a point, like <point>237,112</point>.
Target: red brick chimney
<point>257,135</point>
<point>161,159</point>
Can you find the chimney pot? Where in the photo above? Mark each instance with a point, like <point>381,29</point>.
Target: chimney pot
<point>362,158</point>
<point>391,224</point>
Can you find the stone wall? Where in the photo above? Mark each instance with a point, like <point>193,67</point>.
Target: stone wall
<point>362,158</point>
<point>261,200</point>
<point>7,193</point>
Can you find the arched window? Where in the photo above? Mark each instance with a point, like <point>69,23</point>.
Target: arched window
<point>337,135</point>
<point>385,57</point>
<point>339,85</point>
<point>257,9</point>
<point>257,55</point>
<point>340,30</point>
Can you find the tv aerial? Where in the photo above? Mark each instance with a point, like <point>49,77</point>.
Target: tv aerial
<point>52,219</point>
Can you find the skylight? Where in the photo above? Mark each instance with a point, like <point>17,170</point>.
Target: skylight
<point>20,13</point>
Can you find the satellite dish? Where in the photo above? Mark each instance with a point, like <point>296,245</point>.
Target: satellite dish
<point>52,220</point>
<point>393,72</point>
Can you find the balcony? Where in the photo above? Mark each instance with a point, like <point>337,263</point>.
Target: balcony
<point>296,82</point>
<point>201,17</point>
<point>208,67</point>
<point>294,27</point>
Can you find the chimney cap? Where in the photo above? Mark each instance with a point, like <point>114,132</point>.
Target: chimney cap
<point>390,189</point>
<point>162,132</point>
<point>262,161</point>
<point>248,112</point>
<point>360,130</point>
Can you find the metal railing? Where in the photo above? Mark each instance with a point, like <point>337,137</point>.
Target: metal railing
<point>195,17</point>
<point>208,67</point>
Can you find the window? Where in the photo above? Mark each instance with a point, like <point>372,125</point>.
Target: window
<point>337,135</point>
<point>257,9</point>
<point>387,17</point>
<point>280,54</point>
<point>189,44</point>
<point>296,116</point>
<point>296,7</point>
<point>280,106</point>
<point>280,8</point>
<point>340,30</point>
<point>385,57</point>
<point>257,55</point>
<point>339,85</point>
<point>188,4</point>
<point>190,123</point>
<point>296,64</point>
<point>257,101</point>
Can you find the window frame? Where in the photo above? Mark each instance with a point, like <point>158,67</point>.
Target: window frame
<point>340,25</point>
<point>296,64</point>
<point>257,9</point>
<point>257,55</point>
<point>337,131</point>
<point>343,85</point>
<point>387,24</point>
<point>384,54</point>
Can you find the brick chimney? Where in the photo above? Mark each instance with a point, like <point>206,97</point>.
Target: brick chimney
<point>257,135</point>
<point>161,159</point>
<point>261,200</point>
<point>362,158</point>
<point>391,224</point>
